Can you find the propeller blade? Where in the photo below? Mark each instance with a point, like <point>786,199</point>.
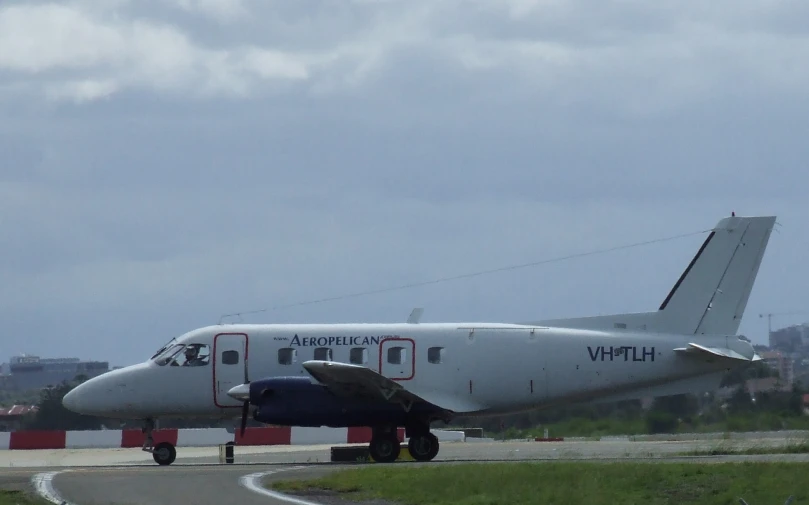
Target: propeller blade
<point>245,411</point>
<point>246,376</point>
<point>246,404</point>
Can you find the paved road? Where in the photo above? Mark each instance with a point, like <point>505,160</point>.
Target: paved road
<point>201,480</point>
<point>449,451</point>
<point>16,479</point>
<point>205,485</point>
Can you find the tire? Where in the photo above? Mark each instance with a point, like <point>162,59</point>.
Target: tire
<point>164,453</point>
<point>423,447</point>
<point>385,448</point>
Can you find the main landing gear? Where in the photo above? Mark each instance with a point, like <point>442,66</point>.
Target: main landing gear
<point>163,453</point>
<point>385,446</point>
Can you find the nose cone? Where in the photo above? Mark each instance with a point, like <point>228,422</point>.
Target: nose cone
<point>71,401</point>
<point>106,395</point>
<point>240,392</point>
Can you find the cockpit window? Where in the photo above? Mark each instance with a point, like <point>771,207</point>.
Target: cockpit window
<point>163,349</point>
<point>185,355</point>
<point>164,357</point>
<point>192,355</point>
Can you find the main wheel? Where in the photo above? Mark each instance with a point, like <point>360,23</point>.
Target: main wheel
<point>385,448</point>
<point>164,453</point>
<point>423,447</point>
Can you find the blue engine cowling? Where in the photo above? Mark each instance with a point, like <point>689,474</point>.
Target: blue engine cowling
<point>297,401</point>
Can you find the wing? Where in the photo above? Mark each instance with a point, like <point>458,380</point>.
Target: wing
<point>355,381</point>
<point>715,352</point>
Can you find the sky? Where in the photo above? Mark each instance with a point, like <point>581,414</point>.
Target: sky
<point>163,163</point>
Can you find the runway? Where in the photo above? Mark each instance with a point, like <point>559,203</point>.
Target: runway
<point>129,476</point>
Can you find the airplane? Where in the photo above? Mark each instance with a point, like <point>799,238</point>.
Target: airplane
<point>411,374</point>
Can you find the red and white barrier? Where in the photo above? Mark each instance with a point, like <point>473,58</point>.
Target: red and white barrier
<point>206,437</point>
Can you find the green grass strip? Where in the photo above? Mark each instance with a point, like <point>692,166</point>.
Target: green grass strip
<point>10,497</point>
<point>565,482</point>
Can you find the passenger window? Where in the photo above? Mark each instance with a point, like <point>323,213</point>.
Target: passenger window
<point>396,355</point>
<point>287,356</point>
<point>192,355</point>
<point>359,356</point>
<point>323,354</point>
<point>435,355</point>
<point>230,358</point>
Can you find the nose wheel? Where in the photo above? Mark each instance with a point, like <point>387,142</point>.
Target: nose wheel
<point>163,453</point>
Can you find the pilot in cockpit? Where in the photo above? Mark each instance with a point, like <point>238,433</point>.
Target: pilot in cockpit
<point>192,357</point>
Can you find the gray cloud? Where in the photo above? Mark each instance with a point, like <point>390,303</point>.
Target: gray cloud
<point>167,162</point>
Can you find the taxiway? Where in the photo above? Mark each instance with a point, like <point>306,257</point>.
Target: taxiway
<point>128,476</point>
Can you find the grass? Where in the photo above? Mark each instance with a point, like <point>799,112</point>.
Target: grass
<point>564,482</point>
<point>12,497</point>
<point>725,447</point>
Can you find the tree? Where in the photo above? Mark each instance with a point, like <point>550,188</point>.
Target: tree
<point>795,402</point>
<point>739,401</point>
<point>757,370</point>
<point>52,415</point>
<point>658,421</point>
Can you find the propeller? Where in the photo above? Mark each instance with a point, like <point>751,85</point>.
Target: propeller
<point>246,404</point>
<point>245,411</point>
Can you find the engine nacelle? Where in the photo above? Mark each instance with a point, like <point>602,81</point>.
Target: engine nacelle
<point>297,401</point>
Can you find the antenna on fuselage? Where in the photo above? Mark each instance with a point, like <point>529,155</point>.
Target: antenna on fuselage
<point>415,316</point>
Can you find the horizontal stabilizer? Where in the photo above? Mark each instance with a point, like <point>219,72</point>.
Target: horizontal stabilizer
<point>355,381</point>
<point>717,352</point>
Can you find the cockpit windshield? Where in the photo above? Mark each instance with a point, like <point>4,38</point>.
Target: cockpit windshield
<point>163,357</point>
<point>184,355</point>
<point>160,351</point>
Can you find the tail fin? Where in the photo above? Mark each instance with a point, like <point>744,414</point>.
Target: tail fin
<point>711,294</point>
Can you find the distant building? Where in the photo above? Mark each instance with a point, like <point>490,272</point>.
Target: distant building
<point>791,338</point>
<point>11,418</point>
<point>32,372</point>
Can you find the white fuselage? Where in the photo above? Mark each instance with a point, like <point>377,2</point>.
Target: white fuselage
<point>477,368</point>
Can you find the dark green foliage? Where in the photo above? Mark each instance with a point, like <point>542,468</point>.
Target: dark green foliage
<point>17,497</point>
<point>758,370</point>
<point>661,422</point>
<point>775,410</point>
<point>52,415</point>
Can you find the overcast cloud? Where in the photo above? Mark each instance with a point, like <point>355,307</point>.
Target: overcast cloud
<point>165,162</point>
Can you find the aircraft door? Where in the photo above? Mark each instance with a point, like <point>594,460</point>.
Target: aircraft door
<point>230,356</point>
<point>397,358</point>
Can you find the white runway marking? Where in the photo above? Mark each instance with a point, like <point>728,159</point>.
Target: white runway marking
<point>253,483</point>
<point>43,484</point>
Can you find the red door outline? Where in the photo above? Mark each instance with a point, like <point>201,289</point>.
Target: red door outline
<point>214,356</point>
<point>412,357</point>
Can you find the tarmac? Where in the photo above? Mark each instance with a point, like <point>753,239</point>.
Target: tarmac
<point>129,476</point>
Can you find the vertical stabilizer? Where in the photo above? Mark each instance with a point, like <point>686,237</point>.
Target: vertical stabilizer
<point>711,295</point>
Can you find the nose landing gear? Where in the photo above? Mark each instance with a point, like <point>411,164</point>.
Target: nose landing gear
<point>163,453</point>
